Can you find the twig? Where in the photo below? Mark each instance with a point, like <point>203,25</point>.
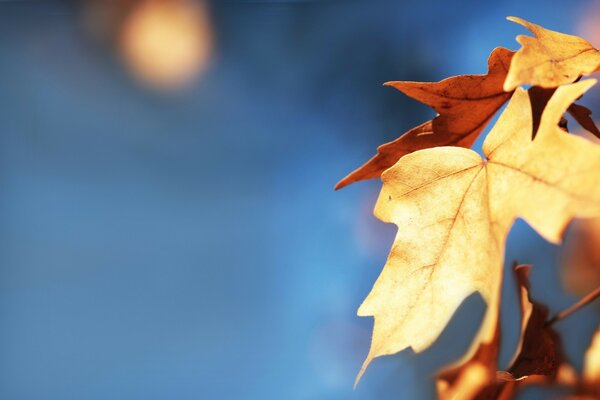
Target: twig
<point>587,299</point>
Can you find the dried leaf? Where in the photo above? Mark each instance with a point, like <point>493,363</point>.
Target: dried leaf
<point>549,59</point>
<point>465,105</point>
<point>454,210</point>
<point>419,137</point>
<point>539,351</point>
<point>583,116</point>
<point>539,357</point>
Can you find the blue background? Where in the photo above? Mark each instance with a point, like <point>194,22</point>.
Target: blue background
<point>189,245</point>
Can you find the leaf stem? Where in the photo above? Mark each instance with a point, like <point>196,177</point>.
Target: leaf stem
<point>587,299</point>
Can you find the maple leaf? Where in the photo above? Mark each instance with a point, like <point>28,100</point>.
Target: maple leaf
<point>539,358</point>
<point>549,59</point>
<point>465,105</point>
<point>454,210</point>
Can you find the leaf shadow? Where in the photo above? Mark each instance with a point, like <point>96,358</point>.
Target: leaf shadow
<point>414,374</point>
<point>455,338</point>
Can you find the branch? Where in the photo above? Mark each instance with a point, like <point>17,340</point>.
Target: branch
<point>587,299</point>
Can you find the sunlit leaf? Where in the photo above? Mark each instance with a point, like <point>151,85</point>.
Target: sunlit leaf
<point>454,210</point>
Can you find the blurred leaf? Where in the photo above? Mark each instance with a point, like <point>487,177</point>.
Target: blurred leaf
<point>581,257</point>
<point>591,367</point>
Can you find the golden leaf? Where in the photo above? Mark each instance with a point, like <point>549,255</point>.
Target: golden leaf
<point>465,105</point>
<point>454,210</point>
<point>549,59</point>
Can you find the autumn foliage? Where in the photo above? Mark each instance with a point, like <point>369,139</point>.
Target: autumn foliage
<point>454,210</point>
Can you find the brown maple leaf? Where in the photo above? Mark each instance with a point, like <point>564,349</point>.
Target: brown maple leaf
<point>539,351</point>
<point>465,105</point>
<point>549,59</point>
<point>538,358</point>
<point>454,210</point>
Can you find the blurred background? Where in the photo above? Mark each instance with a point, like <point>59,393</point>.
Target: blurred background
<point>168,225</point>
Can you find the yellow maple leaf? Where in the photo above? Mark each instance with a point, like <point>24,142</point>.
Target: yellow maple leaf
<point>454,210</point>
<point>549,59</point>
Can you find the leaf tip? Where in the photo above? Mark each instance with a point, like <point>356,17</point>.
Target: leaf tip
<point>509,84</point>
<point>363,309</point>
<point>584,86</point>
<point>363,368</point>
<point>533,28</point>
<point>592,82</point>
<point>345,181</point>
<point>517,20</point>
